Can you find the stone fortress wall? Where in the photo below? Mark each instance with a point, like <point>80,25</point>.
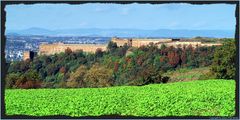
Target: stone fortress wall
<point>194,44</point>
<point>135,42</point>
<point>49,49</point>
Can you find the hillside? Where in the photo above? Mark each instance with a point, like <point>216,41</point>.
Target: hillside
<point>195,98</point>
<point>186,74</point>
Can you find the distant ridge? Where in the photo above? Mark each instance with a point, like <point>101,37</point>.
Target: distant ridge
<point>125,32</point>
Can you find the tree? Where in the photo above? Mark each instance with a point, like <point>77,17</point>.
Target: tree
<point>47,60</point>
<point>52,69</point>
<point>163,49</point>
<point>79,53</point>
<point>98,52</point>
<point>224,61</point>
<point>30,79</point>
<point>147,75</point>
<point>37,64</point>
<point>173,58</point>
<point>153,48</point>
<point>24,65</point>
<point>63,70</point>
<point>112,46</point>
<point>121,51</point>
<point>183,58</point>
<point>98,76</point>
<point>76,78</point>
<point>116,66</point>
<point>163,46</point>
<point>42,73</point>
<point>68,51</point>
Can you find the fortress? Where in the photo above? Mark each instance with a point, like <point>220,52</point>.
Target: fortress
<point>49,49</point>
<point>136,42</point>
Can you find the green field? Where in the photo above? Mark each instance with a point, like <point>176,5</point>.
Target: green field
<point>195,98</point>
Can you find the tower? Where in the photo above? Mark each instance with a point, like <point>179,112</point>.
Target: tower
<point>28,55</point>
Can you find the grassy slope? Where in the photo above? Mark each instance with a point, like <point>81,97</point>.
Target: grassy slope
<point>185,74</point>
<point>204,98</point>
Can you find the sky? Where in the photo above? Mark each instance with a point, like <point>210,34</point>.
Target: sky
<point>133,16</point>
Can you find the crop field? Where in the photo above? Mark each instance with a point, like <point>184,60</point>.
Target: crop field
<point>195,98</point>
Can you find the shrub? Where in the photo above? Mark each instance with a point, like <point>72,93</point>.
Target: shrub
<point>11,79</point>
<point>30,79</point>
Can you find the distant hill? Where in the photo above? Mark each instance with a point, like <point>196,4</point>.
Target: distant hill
<point>32,31</point>
<point>125,32</point>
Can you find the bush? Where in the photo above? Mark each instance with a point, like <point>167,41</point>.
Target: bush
<point>30,79</point>
<point>11,79</point>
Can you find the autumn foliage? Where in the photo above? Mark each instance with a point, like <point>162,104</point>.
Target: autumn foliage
<point>117,66</point>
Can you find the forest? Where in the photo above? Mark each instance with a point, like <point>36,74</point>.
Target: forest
<point>120,66</point>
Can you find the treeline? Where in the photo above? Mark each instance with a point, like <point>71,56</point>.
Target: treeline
<point>118,66</point>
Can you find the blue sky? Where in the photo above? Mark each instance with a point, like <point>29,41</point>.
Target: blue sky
<point>135,16</point>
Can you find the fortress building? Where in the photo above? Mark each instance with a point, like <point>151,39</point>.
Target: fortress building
<point>137,42</point>
<point>29,55</point>
<point>49,49</point>
<point>194,44</point>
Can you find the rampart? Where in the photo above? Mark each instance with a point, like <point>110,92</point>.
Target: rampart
<point>137,42</point>
<point>192,43</point>
<point>48,49</point>
<point>168,42</point>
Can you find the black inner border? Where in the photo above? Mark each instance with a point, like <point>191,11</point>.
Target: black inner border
<point>4,65</point>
